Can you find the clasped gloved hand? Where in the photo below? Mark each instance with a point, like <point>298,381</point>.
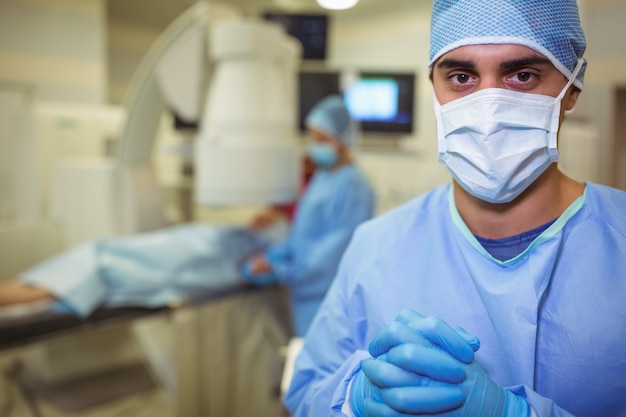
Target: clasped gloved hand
<point>258,271</point>
<point>485,398</point>
<point>423,366</point>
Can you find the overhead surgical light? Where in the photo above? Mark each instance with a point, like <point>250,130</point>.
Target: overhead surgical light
<point>337,4</point>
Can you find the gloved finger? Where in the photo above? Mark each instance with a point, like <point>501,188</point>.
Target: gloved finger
<point>393,335</point>
<point>379,409</point>
<point>473,341</point>
<point>408,315</point>
<point>415,400</point>
<point>445,337</point>
<point>387,375</point>
<point>425,361</point>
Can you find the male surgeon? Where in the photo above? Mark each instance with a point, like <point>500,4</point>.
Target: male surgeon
<point>502,293</point>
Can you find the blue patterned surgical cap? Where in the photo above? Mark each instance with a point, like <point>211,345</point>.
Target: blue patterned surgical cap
<point>330,115</point>
<point>550,27</point>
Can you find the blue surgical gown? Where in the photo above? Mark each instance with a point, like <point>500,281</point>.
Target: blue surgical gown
<point>149,270</point>
<point>333,205</point>
<point>552,321</point>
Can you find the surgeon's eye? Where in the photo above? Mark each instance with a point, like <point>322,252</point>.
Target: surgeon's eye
<point>460,78</point>
<point>522,80</point>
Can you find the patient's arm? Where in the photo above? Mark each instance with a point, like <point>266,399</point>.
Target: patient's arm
<point>15,292</point>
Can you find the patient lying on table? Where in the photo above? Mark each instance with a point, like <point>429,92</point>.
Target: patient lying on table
<point>149,270</point>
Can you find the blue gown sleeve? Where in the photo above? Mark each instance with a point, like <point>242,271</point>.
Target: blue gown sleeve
<point>319,260</point>
<point>543,407</point>
<point>330,357</point>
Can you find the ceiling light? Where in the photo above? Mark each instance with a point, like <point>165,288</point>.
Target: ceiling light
<point>337,4</point>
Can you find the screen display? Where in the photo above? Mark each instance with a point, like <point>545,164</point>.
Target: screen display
<point>310,29</point>
<point>373,99</point>
<point>382,102</point>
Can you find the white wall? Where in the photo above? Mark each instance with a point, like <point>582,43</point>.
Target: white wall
<point>58,46</point>
<point>603,22</point>
<point>54,50</point>
<point>132,27</point>
<point>18,165</point>
<point>127,45</point>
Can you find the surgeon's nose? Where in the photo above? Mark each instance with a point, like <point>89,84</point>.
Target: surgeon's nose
<point>489,81</point>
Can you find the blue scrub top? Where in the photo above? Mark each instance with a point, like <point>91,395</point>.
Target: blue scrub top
<point>333,205</point>
<point>551,320</point>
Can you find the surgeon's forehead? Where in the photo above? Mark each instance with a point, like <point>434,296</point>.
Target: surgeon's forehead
<point>511,55</point>
<point>318,135</point>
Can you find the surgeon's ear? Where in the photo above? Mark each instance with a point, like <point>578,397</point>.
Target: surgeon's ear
<point>571,98</point>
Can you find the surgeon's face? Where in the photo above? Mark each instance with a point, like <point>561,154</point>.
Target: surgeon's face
<point>320,137</point>
<point>471,68</point>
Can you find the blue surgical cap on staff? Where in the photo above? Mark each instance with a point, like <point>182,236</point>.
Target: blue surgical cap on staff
<point>330,115</point>
<point>550,27</point>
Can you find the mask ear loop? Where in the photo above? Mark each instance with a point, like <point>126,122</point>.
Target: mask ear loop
<point>442,144</point>
<point>556,113</point>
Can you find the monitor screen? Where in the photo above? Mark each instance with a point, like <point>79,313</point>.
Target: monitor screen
<point>310,29</point>
<point>312,87</point>
<point>382,102</point>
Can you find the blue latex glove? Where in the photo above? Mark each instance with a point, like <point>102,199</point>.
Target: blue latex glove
<point>382,389</point>
<point>412,327</point>
<point>410,376</point>
<point>478,396</point>
<point>485,398</point>
<point>259,280</point>
<point>417,368</point>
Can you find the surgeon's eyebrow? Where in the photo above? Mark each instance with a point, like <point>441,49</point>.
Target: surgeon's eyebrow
<point>525,62</point>
<point>448,63</point>
<point>451,63</point>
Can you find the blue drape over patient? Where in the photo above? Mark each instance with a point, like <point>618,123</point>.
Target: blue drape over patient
<point>151,269</point>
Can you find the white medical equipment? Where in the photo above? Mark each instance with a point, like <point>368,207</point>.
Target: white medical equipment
<point>246,152</point>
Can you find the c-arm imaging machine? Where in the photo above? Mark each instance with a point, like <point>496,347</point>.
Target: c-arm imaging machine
<point>236,77</point>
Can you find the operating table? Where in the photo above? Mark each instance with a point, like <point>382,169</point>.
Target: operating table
<point>213,335</point>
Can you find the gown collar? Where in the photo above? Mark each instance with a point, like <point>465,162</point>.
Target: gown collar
<point>547,234</point>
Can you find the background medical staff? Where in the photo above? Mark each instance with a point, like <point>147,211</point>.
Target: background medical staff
<point>337,199</point>
<point>527,260</point>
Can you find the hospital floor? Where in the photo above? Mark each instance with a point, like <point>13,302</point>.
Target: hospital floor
<point>126,390</point>
<point>151,403</point>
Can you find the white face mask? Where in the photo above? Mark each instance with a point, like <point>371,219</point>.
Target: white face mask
<point>497,142</point>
